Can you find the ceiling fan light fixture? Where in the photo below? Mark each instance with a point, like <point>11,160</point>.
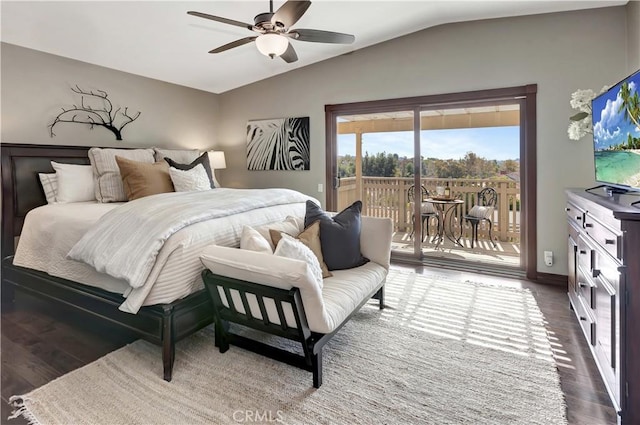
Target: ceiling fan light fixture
<point>272,45</point>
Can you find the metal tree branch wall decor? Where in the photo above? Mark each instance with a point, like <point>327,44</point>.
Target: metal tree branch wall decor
<point>95,110</point>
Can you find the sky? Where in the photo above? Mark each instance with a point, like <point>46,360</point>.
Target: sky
<point>498,143</point>
<point>610,127</point>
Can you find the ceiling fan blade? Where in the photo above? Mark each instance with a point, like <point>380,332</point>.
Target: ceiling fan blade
<point>319,36</point>
<point>289,55</point>
<point>289,13</point>
<point>219,19</point>
<point>233,44</point>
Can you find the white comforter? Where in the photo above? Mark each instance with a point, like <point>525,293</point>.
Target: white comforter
<point>52,230</point>
<point>125,243</point>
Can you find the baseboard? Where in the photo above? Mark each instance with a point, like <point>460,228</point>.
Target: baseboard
<point>552,279</point>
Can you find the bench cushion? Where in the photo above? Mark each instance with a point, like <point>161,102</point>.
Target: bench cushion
<point>325,308</point>
<point>346,289</point>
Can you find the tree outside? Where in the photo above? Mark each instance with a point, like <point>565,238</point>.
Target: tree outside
<point>471,166</point>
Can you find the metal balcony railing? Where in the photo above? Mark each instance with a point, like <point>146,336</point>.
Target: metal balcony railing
<point>387,197</point>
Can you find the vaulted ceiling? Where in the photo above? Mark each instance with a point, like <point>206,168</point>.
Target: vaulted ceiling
<point>157,39</point>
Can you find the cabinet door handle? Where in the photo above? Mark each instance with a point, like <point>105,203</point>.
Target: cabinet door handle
<point>578,217</point>
<point>583,252</point>
<point>588,224</point>
<point>609,242</point>
<point>582,285</point>
<point>584,319</point>
<point>567,209</point>
<point>595,272</point>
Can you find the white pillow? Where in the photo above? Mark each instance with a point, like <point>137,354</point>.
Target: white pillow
<point>291,226</point>
<point>254,241</point>
<point>291,247</point>
<point>481,212</point>
<point>75,182</point>
<point>425,208</point>
<point>49,183</point>
<point>190,180</point>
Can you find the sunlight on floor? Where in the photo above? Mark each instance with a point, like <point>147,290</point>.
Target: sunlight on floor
<point>483,251</point>
<point>501,317</point>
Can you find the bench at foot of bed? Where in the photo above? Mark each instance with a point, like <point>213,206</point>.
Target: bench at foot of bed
<point>279,296</point>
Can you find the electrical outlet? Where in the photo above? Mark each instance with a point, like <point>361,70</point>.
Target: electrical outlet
<point>548,258</point>
<point>320,187</point>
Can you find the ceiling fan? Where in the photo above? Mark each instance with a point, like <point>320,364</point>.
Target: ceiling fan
<point>274,31</point>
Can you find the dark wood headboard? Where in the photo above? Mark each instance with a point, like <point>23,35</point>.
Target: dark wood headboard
<point>21,189</point>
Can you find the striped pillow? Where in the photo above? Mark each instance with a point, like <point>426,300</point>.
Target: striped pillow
<point>106,173</point>
<point>479,211</point>
<point>49,183</point>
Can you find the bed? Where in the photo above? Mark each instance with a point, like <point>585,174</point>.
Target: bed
<point>162,323</point>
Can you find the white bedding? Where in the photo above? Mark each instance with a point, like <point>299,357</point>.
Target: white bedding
<point>51,231</point>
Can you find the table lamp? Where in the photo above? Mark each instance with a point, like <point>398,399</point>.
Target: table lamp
<point>217,162</point>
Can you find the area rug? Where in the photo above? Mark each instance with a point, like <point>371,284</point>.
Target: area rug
<point>443,352</point>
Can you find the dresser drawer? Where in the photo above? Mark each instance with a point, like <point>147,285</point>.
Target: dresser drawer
<point>587,320</point>
<point>574,231</point>
<point>575,214</point>
<point>586,289</point>
<point>608,238</point>
<point>586,253</point>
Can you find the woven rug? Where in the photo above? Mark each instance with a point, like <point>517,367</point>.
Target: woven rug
<point>443,352</point>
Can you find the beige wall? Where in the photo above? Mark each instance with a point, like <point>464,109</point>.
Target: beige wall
<point>559,52</point>
<point>35,86</point>
<point>633,35</point>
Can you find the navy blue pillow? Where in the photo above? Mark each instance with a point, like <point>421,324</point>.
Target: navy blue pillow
<point>202,159</point>
<point>339,235</point>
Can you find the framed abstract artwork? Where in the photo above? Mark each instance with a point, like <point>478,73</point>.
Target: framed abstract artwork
<point>278,144</point>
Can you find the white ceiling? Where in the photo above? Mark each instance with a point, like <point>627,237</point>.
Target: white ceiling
<point>157,39</point>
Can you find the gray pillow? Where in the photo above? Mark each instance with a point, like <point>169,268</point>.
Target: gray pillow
<point>202,159</point>
<point>183,156</point>
<point>339,235</point>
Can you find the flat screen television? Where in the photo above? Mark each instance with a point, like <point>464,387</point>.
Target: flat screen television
<point>616,135</point>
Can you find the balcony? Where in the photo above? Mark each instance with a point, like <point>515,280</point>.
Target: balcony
<point>388,197</point>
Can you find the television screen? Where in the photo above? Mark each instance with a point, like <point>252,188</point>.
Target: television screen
<point>616,134</point>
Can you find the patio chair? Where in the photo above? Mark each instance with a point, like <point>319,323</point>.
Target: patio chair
<point>482,211</point>
<point>427,210</point>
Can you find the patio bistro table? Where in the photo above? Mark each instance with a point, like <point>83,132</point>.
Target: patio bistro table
<point>445,208</point>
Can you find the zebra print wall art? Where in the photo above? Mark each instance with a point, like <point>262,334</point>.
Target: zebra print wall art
<point>278,144</point>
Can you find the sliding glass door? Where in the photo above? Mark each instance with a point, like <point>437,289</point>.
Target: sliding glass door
<point>399,157</point>
<point>375,165</point>
<point>472,153</point>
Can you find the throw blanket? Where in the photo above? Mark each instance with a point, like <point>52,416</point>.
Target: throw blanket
<point>125,242</point>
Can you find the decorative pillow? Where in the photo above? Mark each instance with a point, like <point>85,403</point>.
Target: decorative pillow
<point>183,156</point>
<point>190,180</point>
<point>254,241</point>
<point>339,236</point>
<point>291,226</point>
<point>201,160</point>
<point>290,247</point>
<point>108,182</point>
<point>75,182</point>
<point>142,179</point>
<point>425,208</point>
<point>311,238</point>
<point>49,182</point>
<point>479,211</point>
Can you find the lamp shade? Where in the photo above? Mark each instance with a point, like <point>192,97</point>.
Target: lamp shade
<point>216,159</point>
<point>272,44</point>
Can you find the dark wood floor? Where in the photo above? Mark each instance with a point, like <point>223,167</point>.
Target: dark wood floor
<point>41,342</point>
